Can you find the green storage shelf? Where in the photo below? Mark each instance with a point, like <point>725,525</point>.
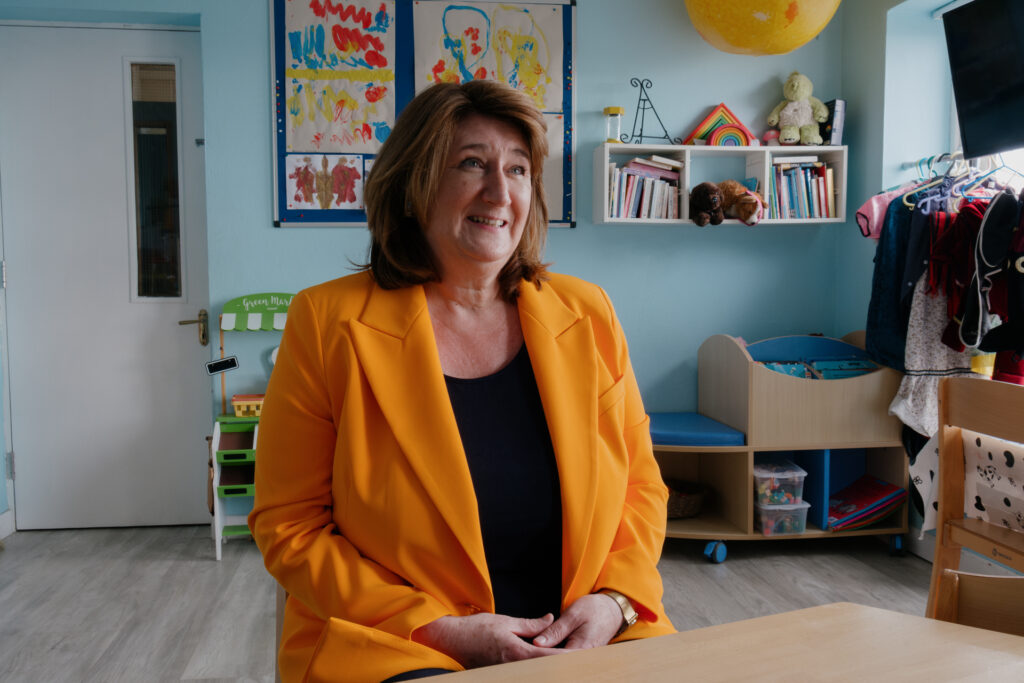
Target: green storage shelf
<point>232,421</point>
<point>236,480</point>
<point>236,457</point>
<point>236,490</point>
<point>236,530</point>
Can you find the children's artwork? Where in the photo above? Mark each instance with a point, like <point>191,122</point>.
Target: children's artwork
<point>344,70</point>
<point>325,181</point>
<point>721,117</point>
<point>516,43</point>
<point>339,69</point>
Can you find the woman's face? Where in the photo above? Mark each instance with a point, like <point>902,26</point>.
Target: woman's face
<point>483,198</point>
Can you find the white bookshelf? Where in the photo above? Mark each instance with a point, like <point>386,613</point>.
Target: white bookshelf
<point>755,162</point>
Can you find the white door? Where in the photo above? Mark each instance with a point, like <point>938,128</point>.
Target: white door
<point>110,404</point>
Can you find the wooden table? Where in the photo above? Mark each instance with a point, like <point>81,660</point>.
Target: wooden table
<point>837,642</point>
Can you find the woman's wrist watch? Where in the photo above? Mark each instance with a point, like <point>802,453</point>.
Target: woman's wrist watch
<point>629,615</point>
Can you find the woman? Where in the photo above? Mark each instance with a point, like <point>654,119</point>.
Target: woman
<point>454,466</point>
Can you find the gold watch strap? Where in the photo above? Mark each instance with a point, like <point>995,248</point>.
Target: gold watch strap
<point>629,615</point>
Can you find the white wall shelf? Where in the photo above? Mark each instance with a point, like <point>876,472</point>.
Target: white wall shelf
<point>756,163</point>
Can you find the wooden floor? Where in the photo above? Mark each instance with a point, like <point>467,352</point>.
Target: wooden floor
<point>152,604</point>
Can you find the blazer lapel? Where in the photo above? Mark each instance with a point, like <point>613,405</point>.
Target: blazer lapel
<point>394,341</point>
<point>562,352</point>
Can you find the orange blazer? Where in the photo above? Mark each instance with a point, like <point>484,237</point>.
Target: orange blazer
<point>365,510</point>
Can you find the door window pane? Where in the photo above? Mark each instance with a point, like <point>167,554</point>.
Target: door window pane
<point>157,227</point>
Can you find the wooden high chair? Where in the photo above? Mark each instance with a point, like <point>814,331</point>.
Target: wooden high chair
<point>995,603</point>
<point>994,409</point>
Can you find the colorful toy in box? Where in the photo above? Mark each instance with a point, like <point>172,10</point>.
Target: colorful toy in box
<point>778,482</point>
<point>773,520</point>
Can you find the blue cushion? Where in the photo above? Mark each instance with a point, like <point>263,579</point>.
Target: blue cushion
<point>692,429</point>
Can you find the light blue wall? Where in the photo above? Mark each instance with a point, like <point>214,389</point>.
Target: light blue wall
<point>672,286</point>
<point>895,75</point>
<point>918,90</point>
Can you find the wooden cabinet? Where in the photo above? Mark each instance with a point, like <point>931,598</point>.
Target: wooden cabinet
<point>234,463</point>
<point>835,429</point>
<point>715,164</point>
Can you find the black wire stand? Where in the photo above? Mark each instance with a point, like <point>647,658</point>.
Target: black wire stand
<point>644,105</point>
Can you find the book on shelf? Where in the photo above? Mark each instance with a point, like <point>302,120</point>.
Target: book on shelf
<point>636,190</point>
<point>671,164</point>
<point>867,497</point>
<point>645,197</point>
<point>796,201</point>
<point>640,166</point>
<point>814,206</point>
<point>831,130</point>
<point>819,188</point>
<point>773,196</point>
<point>800,190</point>
<point>641,190</point>
<point>830,191</point>
<point>785,211</point>
<point>650,161</point>
<point>613,174</point>
<point>795,159</point>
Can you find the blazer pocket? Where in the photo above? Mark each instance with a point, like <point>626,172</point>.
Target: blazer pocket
<point>352,652</point>
<point>612,397</point>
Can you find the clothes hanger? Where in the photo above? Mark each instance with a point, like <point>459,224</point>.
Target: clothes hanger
<point>934,180</point>
<point>998,165</point>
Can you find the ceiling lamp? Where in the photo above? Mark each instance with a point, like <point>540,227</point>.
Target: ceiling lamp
<point>760,27</point>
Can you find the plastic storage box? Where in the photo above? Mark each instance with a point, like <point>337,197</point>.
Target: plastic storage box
<point>774,520</point>
<point>778,482</point>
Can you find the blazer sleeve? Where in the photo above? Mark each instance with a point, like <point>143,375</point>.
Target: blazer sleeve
<point>292,518</point>
<point>631,565</point>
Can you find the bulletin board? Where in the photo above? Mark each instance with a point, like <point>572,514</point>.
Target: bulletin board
<point>344,70</point>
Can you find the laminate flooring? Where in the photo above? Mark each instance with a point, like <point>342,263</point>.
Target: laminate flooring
<point>152,604</point>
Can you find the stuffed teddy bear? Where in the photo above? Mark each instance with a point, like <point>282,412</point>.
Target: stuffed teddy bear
<point>739,202</point>
<point>706,204</point>
<point>798,115</point>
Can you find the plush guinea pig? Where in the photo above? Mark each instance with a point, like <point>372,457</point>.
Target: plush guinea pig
<point>706,204</point>
<point>739,202</point>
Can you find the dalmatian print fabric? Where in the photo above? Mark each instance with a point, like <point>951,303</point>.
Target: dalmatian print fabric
<point>993,484</point>
<point>924,475</point>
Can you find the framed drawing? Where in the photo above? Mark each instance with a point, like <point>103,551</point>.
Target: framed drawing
<point>344,70</point>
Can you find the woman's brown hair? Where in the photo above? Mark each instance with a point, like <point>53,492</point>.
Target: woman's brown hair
<point>402,185</point>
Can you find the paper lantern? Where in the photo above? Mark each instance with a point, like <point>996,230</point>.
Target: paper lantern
<point>760,27</point>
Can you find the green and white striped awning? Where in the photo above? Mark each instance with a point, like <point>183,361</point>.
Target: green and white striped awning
<point>256,312</point>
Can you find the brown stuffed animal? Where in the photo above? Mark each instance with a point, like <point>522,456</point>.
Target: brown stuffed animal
<point>706,204</point>
<point>739,202</point>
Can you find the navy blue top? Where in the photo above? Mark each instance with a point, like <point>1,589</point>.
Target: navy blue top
<point>512,463</point>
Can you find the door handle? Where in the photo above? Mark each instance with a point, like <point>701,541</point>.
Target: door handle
<point>204,326</point>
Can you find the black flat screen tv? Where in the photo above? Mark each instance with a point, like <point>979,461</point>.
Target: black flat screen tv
<point>985,41</point>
